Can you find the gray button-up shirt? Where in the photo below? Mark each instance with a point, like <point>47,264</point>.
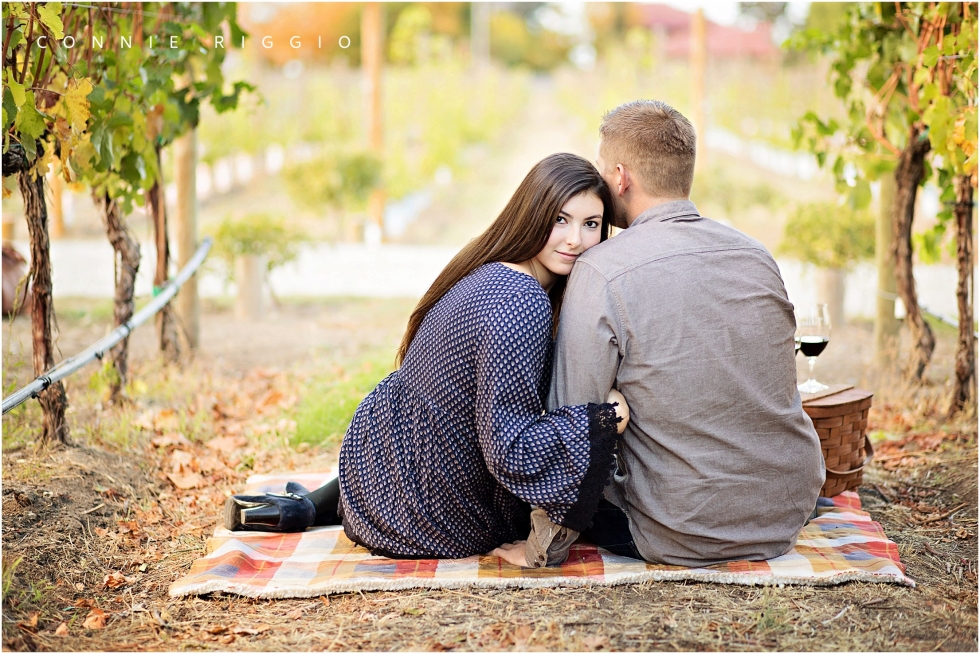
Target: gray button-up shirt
<point>690,320</point>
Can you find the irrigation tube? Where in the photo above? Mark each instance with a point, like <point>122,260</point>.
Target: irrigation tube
<point>100,347</point>
<point>945,319</point>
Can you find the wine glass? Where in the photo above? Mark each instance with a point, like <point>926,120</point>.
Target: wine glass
<point>812,334</point>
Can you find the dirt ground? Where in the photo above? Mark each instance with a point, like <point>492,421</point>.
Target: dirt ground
<point>94,533</point>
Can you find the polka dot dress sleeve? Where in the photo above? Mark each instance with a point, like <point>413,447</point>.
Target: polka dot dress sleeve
<point>560,460</point>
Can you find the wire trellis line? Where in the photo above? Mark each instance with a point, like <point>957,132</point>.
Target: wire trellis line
<point>98,349</point>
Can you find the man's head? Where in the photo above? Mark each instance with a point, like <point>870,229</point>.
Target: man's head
<point>646,155</point>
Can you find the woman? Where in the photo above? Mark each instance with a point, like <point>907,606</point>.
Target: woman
<point>445,456</point>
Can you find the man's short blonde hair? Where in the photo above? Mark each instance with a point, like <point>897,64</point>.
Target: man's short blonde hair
<point>655,142</point>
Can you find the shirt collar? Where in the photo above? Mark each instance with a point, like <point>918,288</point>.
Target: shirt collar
<point>667,211</point>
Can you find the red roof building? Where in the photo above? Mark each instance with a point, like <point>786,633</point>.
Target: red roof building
<point>673,29</point>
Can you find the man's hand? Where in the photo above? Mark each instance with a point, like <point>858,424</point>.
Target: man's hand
<point>512,552</point>
<point>622,411</point>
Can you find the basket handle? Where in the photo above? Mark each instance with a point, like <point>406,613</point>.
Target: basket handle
<point>870,455</point>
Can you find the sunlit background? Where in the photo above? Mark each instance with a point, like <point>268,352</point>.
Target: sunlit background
<point>472,94</point>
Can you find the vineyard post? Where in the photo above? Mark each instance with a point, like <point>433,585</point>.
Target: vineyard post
<point>372,55</point>
<point>886,326</point>
<point>185,167</point>
<point>699,56</point>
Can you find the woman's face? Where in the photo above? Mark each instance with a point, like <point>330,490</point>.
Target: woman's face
<point>576,229</point>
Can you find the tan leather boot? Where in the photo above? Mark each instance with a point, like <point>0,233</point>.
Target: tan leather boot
<point>548,543</point>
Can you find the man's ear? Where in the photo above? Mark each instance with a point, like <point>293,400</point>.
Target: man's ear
<point>624,182</point>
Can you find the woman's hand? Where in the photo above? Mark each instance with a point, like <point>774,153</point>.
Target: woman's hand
<point>622,410</point>
<point>512,552</point>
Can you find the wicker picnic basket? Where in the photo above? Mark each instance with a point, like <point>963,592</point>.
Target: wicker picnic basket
<point>841,421</point>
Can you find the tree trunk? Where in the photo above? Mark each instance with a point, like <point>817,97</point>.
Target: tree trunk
<point>127,262</point>
<point>54,401</point>
<point>964,389</point>
<point>911,167</point>
<point>166,320</point>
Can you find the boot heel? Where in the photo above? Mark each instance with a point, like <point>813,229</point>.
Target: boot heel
<point>260,515</point>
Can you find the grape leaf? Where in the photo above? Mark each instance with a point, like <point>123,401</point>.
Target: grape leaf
<point>76,100</point>
<point>30,122</point>
<point>50,14</point>
<point>16,90</point>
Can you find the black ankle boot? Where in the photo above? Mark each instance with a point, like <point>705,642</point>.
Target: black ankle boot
<point>270,512</point>
<point>296,488</point>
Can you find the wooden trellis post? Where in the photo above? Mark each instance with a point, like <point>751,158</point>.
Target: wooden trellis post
<point>372,56</point>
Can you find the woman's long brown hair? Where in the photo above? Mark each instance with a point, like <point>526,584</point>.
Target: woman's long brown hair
<point>521,231</point>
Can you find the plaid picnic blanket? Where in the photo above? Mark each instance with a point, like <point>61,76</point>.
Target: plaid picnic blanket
<point>841,544</point>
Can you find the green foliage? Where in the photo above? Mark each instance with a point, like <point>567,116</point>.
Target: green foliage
<point>102,108</point>
<point>325,412</point>
<point>411,30</point>
<point>715,186</point>
<point>513,43</point>
<point>103,379</point>
<point>901,70</point>
<point>336,180</point>
<point>829,235</point>
<point>442,108</point>
<point>256,234</point>
<point>9,570</point>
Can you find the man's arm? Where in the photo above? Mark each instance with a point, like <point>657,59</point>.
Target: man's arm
<point>590,341</point>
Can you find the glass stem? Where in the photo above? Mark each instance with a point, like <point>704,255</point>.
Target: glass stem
<point>811,361</point>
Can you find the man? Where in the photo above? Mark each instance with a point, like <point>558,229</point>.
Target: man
<point>690,320</point>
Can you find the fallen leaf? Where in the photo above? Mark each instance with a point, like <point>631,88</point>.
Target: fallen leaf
<point>186,481</point>
<point>272,398</point>
<point>117,579</point>
<point>182,461</point>
<point>166,420</point>
<point>110,493</point>
<point>144,421</point>
<point>250,631</point>
<point>215,629</point>
<point>211,463</point>
<point>225,640</point>
<point>30,624</point>
<point>144,567</point>
<point>170,438</point>
<point>95,619</point>
<point>79,586</point>
<point>227,444</point>
<point>413,611</point>
<point>295,615</point>
<point>62,629</point>
<point>84,603</point>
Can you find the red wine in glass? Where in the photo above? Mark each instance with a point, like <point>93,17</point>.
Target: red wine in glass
<point>812,346</point>
<point>812,337</point>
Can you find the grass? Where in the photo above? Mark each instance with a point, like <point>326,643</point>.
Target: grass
<point>325,412</point>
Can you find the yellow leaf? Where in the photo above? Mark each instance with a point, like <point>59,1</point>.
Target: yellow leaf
<point>76,100</point>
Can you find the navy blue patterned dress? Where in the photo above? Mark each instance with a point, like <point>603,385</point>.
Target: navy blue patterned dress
<point>443,456</point>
